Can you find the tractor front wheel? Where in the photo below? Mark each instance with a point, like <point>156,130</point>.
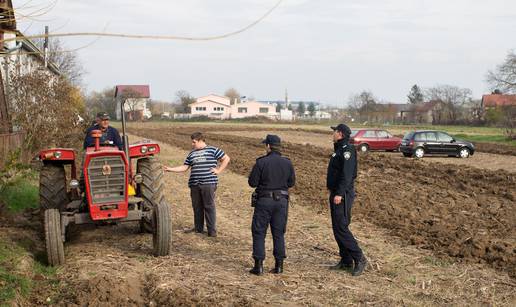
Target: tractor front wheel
<point>53,237</point>
<point>162,229</point>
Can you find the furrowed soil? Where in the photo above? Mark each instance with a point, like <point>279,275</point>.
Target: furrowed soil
<point>419,230</point>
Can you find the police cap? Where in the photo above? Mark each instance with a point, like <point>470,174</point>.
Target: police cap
<point>272,139</point>
<point>103,115</point>
<point>342,128</point>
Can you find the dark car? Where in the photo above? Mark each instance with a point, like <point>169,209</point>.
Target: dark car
<point>374,139</point>
<point>420,143</point>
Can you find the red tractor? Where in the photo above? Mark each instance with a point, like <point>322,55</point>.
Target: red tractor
<point>112,192</point>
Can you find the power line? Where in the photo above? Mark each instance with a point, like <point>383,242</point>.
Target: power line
<point>155,37</point>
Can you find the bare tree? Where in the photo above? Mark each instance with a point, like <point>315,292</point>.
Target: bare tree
<point>48,109</point>
<point>66,61</point>
<point>363,105</point>
<point>233,95</point>
<point>132,101</point>
<point>102,101</point>
<point>453,99</point>
<point>503,78</point>
<point>184,100</point>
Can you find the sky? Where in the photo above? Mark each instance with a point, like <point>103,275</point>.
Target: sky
<point>319,50</point>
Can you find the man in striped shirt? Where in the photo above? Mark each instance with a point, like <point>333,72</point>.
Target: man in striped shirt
<point>203,161</point>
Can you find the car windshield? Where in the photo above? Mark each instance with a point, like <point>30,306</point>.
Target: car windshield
<point>353,133</point>
<point>408,136</point>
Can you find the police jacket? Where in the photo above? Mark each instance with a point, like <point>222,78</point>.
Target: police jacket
<point>109,137</point>
<point>342,168</point>
<point>272,173</point>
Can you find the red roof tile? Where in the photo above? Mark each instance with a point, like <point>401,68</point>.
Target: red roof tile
<point>498,100</point>
<point>143,90</point>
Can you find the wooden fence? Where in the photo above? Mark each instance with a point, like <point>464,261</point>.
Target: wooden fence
<point>9,143</point>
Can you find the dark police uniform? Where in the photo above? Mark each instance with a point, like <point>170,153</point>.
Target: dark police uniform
<point>342,171</point>
<point>272,176</point>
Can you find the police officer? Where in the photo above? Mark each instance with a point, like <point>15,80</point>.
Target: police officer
<point>342,171</point>
<point>110,135</point>
<point>272,176</point>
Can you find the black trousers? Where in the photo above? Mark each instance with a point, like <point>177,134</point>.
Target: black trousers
<point>203,204</point>
<point>274,213</point>
<point>340,220</point>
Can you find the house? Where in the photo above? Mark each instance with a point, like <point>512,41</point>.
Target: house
<point>136,99</point>
<point>18,56</point>
<point>253,109</point>
<point>497,101</point>
<point>220,107</point>
<point>212,106</point>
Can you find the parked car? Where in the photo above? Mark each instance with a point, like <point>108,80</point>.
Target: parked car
<point>374,139</point>
<point>420,143</point>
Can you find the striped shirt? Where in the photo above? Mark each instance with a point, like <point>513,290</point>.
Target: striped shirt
<point>201,161</point>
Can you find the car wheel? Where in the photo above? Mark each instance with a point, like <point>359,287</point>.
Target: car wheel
<point>363,148</point>
<point>464,152</point>
<point>419,153</point>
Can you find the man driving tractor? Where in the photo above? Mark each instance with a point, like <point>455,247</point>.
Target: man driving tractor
<point>110,135</point>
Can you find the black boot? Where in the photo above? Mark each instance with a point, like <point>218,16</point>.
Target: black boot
<point>360,266</point>
<point>278,267</point>
<point>258,267</point>
<point>342,265</point>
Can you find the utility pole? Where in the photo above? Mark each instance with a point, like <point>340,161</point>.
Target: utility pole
<point>45,47</point>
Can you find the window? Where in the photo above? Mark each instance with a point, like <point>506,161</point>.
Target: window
<point>430,136</point>
<point>353,133</point>
<point>369,134</point>
<point>242,110</point>
<point>420,137</point>
<point>408,136</point>
<point>218,109</point>
<point>443,137</point>
<point>382,134</point>
<point>200,108</point>
<point>264,110</point>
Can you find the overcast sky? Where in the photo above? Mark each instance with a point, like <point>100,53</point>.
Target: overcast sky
<point>321,50</point>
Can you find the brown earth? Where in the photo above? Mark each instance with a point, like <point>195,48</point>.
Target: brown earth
<point>465,213</point>
<point>112,266</point>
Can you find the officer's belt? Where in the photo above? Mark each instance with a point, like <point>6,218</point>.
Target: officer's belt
<point>270,194</point>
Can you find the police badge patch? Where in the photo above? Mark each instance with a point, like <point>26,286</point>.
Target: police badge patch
<point>347,155</point>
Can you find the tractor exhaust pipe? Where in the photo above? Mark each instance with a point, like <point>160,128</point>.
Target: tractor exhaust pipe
<point>96,134</point>
<point>124,136</point>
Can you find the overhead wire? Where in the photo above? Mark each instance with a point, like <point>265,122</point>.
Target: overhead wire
<point>156,37</point>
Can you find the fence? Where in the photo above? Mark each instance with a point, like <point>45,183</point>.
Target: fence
<point>10,142</point>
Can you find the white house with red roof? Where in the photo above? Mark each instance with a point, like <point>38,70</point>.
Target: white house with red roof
<point>136,99</point>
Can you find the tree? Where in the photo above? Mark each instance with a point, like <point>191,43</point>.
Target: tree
<point>103,101</point>
<point>503,77</point>
<point>311,109</point>
<point>362,105</point>
<point>131,99</point>
<point>452,98</point>
<point>278,107</point>
<point>301,109</point>
<point>233,95</point>
<point>184,101</point>
<point>66,61</point>
<point>48,109</point>
<point>415,95</point>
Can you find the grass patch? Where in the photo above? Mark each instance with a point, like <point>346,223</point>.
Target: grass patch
<point>20,193</point>
<point>436,261</point>
<point>486,138</point>
<point>11,282</point>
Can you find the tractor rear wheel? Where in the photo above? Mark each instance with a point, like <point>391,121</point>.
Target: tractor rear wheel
<point>152,186</point>
<point>52,187</point>
<point>53,237</point>
<point>162,229</point>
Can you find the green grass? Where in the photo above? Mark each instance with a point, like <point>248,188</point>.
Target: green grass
<point>20,193</point>
<point>11,282</point>
<point>486,138</point>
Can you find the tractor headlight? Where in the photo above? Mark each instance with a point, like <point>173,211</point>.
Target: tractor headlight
<point>152,149</point>
<point>143,149</point>
<point>74,184</point>
<point>57,154</point>
<point>138,178</point>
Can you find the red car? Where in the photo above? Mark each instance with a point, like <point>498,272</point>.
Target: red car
<point>374,139</point>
